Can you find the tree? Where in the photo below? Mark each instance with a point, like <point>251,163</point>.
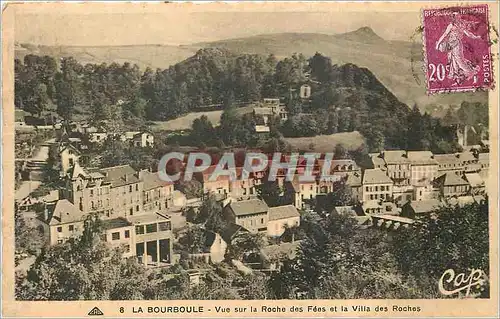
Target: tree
<point>193,240</point>
<point>68,87</point>
<point>340,152</point>
<point>83,269</point>
<point>244,243</point>
<point>270,192</point>
<point>202,131</point>
<point>192,188</point>
<point>27,238</point>
<point>452,237</point>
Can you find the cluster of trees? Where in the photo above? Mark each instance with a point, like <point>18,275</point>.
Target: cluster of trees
<point>122,92</point>
<point>339,260</point>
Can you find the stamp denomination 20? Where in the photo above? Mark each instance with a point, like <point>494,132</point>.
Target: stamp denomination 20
<point>457,49</point>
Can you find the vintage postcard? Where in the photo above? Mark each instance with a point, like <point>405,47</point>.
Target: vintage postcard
<point>271,159</point>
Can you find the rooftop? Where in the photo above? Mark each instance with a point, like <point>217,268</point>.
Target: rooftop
<point>152,180</point>
<point>421,157</point>
<point>474,179</point>
<point>141,219</point>
<point>120,175</point>
<point>65,212</point>
<point>451,179</point>
<point>375,176</point>
<point>249,207</point>
<point>115,223</point>
<point>395,157</point>
<point>282,212</point>
<point>425,206</point>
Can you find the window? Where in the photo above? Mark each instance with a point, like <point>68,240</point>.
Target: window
<point>262,220</point>
<point>91,192</point>
<point>131,211</point>
<point>71,227</point>
<point>151,228</point>
<point>139,230</point>
<point>130,189</point>
<point>127,234</point>
<point>136,187</point>
<point>376,188</point>
<point>163,226</point>
<point>59,229</point>
<point>115,236</point>
<point>137,208</point>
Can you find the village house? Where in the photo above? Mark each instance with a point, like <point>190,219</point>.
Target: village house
<point>153,239</point>
<point>416,209</point>
<point>251,214</point>
<point>424,167</point>
<point>89,192</point>
<point>143,139</point>
<point>376,185</point>
<point>268,108</point>
<point>398,166</point>
<point>391,222</point>
<point>119,232</point>
<point>280,218</point>
<point>158,194</point>
<point>449,163</point>
<point>97,137</point>
<point>450,184</point>
<point>219,186</point>
<point>353,181</point>
<point>68,156</point>
<point>126,190</point>
<point>63,220</point>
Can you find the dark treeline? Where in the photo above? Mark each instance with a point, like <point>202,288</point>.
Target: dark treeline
<point>212,76</point>
<point>344,98</point>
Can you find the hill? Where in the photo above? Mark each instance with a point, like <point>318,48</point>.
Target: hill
<point>154,56</point>
<point>390,61</point>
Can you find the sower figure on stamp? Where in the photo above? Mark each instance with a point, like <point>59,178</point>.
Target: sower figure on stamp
<point>451,41</point>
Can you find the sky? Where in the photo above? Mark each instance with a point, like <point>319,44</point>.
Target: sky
<point>186,25</point>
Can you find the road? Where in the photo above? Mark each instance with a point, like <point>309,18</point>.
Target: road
<point>27,187</point>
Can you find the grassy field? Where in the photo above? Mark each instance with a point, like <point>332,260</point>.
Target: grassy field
<point>185,122</point>
<point>326,143</point>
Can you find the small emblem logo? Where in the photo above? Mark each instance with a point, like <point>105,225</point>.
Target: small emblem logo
<point>95,312</point>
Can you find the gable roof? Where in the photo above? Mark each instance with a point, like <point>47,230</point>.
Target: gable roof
<point>120,175</point>
<point>152,180</point>
<point>248,207</point>
<point>375,176</point>
<point>76,171</point>
<point>421,157</point>
<point>474,179</point>
<point>65,212</point>
<point>425,206</point>
<point>395,157</point>
<point>376,159</point>
<point>353,179</point>
<point>452,179</point>
<point>282,212</point>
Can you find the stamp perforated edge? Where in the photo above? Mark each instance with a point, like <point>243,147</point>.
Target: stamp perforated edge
<point>424,51</point>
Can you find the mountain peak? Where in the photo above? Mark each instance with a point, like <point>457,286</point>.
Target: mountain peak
<point>363,34</point>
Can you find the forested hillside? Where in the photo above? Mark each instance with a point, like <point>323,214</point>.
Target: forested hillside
<point>345,98</point>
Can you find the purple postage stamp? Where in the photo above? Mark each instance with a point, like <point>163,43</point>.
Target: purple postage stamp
<point>457,49</point>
